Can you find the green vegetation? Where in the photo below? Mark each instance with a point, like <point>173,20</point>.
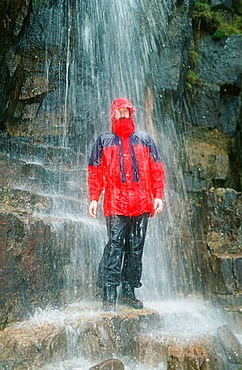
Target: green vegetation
<point>227,29</point>
<point>220,23</point>
<point>193,58</point>
<point>202,11</point>
<point>38,3</point>
<point>192,79</point>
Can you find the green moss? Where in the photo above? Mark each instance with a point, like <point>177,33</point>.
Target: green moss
<point>188,85</point>
<point>38,3</point>
<point>192,76</point>
<point>219,34</point>
<point>226,30</point>
<point>192,79</point>
<point>202,11</point>
<point>193,58</point>
<point>217,23</point>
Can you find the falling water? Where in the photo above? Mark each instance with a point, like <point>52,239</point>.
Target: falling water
<point>111,49</point>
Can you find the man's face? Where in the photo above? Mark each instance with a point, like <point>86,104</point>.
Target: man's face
<point>122,113</point>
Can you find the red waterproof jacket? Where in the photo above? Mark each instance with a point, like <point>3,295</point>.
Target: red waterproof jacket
<point>126,164</point>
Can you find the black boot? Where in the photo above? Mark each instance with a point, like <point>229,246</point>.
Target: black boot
<point>109,298</point>
<point>129,298</point>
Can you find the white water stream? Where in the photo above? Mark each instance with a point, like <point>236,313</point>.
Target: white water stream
<point>107,50</point>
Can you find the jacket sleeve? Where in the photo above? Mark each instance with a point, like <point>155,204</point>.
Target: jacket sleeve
<point>95,172</point>
<point>157,172</point>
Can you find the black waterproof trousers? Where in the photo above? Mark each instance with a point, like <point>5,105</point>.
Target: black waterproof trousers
<point>122,256</point>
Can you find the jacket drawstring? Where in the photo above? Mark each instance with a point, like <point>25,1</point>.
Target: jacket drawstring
<point>135,168</point>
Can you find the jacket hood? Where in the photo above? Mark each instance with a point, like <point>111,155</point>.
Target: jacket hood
<point>122,127</point>
<point>122,103</point>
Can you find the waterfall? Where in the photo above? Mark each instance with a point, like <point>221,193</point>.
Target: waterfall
<point>101,51</point>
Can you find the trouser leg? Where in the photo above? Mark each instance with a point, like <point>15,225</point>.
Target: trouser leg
<point>109,271</point>
<point>134,244</point>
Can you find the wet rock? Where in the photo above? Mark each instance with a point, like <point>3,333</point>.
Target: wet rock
<point>38,177</point>
<point>150,351</point>
<point>114,333</point>
<point>24,201</point>
<point>99,335</point>
<point>12,61</point>
<point>26,264</point>
<point>229,270</point>
<point>208,160</point>
<point>22,14</point>
<point>224,57</point>
<point>12,19</point>
<point>30,111</point>
<point>221,222</point>
<point>223,268</point>
<point>221,4</point>
<point>111,364</point>
<point>24,346</point>
<point>224,221</point>
<point>231,302</point>
<point>238,271</point>
<point>208,97</point>
<point>37,153</point>
<point>231,344</point>
<point>36,263</point>
<point>204,354</point>
<point>34,86</point>
<point>216,103</point>
<point>233,312</point>
<point>173,50</point>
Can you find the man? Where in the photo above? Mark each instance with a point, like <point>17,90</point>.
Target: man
<point>126,164</point>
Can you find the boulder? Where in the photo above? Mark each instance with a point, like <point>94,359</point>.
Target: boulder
<point>231,344</point>
<point>110,364</point>
<point>195,355</point>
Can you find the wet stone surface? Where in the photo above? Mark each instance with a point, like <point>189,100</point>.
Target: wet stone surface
<point>97,335</point>
<point>92,334</point>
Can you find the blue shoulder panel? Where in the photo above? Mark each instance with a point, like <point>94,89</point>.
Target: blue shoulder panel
<point>103,141</point>
<point>142,138</point>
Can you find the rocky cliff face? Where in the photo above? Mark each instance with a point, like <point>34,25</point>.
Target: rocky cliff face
<point>212,109</point>
<point>51,95</point>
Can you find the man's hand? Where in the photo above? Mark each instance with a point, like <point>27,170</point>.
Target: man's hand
<point>92,209</point>
<point>158,205</point>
